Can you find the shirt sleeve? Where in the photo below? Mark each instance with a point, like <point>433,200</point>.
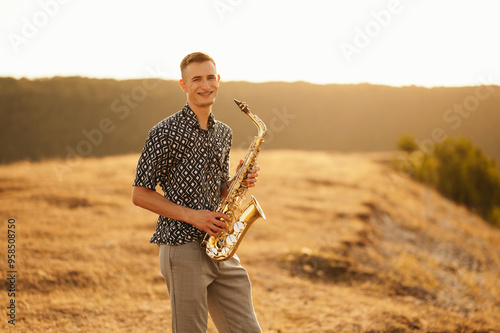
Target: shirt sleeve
<point>151,167</point>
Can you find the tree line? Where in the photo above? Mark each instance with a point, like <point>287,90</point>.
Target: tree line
<point>61,116</point>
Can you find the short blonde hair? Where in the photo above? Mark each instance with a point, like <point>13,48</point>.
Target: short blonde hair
<point>194,57</point>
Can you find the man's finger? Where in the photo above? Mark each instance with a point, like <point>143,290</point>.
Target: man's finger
<point>222,216</point>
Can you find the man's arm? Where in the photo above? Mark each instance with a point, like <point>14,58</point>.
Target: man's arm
<point>202,219</point>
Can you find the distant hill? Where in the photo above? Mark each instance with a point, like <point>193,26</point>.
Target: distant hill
<point>67,116</point>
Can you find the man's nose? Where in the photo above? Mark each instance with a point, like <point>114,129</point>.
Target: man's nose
<point>205,84</point>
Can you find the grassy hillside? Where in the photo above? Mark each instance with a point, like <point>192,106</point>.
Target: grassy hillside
<point>349,245</point>
<point>74,116</point>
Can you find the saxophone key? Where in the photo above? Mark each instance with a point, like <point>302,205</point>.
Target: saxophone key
<point>225,251</point>
<point>231,240</point>
<point>239,226</point>
<point>212,252</point>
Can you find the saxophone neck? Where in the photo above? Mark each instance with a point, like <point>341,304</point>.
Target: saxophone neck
<point>262,129</point>
<point>257,121</point>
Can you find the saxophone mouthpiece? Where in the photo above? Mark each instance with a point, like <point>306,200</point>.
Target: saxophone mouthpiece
<point>242,105</point>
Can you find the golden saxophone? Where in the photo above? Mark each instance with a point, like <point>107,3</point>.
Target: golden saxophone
<point>223,246</point>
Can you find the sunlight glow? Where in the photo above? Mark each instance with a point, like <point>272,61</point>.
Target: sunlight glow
<point>392,42</point>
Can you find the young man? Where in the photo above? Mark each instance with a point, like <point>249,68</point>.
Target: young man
<point>187,154</point>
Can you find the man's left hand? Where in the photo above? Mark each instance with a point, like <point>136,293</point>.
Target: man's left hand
<point>251,177</point>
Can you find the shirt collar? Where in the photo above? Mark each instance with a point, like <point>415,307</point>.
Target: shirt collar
<point>193,119</point>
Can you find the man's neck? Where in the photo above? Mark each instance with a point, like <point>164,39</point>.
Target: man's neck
<point>202,113</point>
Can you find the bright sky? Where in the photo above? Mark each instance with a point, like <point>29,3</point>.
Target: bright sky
<point>392,42</point>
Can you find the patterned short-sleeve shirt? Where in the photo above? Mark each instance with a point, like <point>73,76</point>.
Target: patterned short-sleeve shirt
<point>189,164</point>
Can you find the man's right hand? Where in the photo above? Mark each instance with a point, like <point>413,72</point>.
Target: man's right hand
<point>208,221</point>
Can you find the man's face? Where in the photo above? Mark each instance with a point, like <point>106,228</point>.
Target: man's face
<point>200,82</point>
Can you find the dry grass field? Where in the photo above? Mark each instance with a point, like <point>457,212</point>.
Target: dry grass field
<point>348,246</point>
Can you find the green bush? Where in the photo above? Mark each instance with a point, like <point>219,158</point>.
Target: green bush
<point>458,170</point>
<point>407,143</point>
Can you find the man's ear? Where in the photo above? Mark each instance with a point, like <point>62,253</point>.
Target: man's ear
<point>218,78</point>
<point>182,83</point>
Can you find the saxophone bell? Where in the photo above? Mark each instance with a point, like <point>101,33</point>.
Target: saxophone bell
<point>224,246</point>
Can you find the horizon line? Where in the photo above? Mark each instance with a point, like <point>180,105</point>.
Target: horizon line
<point>34,78</point>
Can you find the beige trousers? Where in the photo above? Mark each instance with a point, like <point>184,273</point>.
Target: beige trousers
<point>198,285</point>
